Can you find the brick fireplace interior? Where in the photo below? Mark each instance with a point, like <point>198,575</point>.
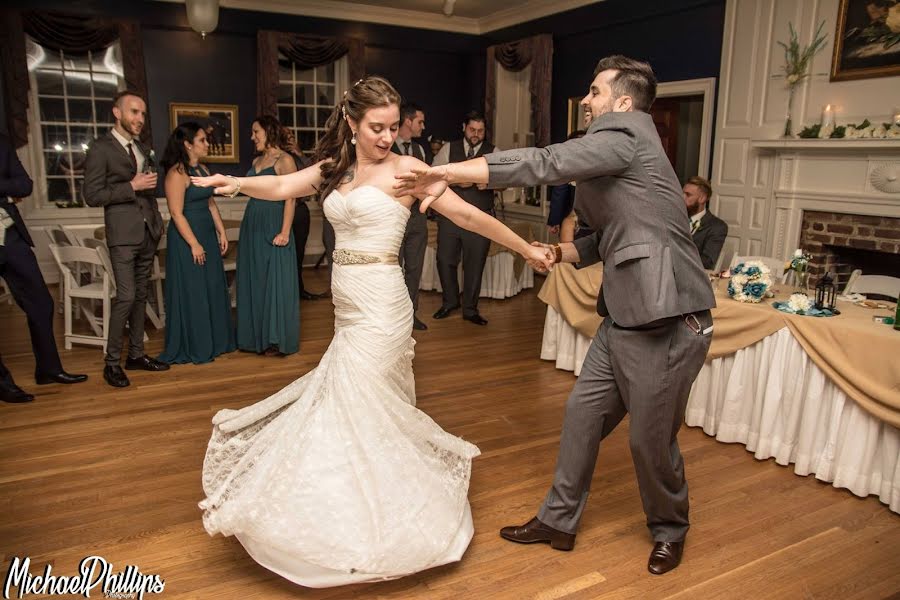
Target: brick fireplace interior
<point>840,243</point>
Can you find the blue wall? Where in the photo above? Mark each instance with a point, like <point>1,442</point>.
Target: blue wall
<point>444,72</point>
<point>680,39</point>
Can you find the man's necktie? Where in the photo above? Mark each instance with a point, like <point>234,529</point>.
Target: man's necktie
<point>132,156</point>
<point>406,146</point>
<point>695,225</point>
<point>471,152</point>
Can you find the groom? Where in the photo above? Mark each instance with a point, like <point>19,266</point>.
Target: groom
<point>655,297</point>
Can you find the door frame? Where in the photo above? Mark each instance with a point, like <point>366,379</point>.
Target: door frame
<point>705,87</point>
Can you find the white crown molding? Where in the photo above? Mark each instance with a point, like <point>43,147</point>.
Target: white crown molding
<point>354,11</point>
<point>528,11</point>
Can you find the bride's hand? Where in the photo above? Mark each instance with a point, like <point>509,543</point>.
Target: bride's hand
<point>540,258</point>
<point>430,182</point>
<point>225,186</point>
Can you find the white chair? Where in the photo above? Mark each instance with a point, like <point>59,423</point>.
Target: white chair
<point>775,265</point>
<point>232,234</point>
<point>73,289</point>
<point>57,236</point>
<point>883,285</point>
<point>157,275</point>
<point>5,294</point>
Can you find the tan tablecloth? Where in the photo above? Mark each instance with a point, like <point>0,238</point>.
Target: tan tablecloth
<point>521,228</point>
<point>860,356</point>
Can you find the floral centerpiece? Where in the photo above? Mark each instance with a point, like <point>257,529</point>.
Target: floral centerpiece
<point>801,304</point>
<point>853,131</point>
<point>749,281</point>
<point>796,66</point>
<point>799,264</point>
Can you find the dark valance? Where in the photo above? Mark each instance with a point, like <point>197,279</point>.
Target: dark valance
<point>71,34</point>
<point>537,52</point>
<point>307,52</point>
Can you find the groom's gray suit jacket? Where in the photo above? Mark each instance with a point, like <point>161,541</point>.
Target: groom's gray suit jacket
<point>628,191</point>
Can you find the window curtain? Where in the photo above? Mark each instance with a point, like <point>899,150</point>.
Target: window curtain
<point>537,52</point>
<point>71,34</point>
<point>307,52</point>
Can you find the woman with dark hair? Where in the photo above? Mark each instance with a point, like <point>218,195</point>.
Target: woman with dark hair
<point>268,294</point>
<point>338,478</point>
<point>198,309</point>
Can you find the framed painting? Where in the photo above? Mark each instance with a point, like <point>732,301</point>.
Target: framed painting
<point>220,122</point>
<point>866,40</point>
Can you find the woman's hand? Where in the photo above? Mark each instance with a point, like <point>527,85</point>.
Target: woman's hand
<point>281,239</point>
<point>223,242</point>
<point>540,257</point>
<point>199,254</point>
<point>224,185</point>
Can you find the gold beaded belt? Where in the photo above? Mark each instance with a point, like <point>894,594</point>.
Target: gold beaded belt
<point>342,256</point>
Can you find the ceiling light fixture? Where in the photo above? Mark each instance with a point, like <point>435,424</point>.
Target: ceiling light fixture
<point>203,15</point>
<point>448,7</point>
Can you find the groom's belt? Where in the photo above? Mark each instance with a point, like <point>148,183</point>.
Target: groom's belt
<point>342,256</point>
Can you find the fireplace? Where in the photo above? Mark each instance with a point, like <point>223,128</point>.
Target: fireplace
<point>840,243</point>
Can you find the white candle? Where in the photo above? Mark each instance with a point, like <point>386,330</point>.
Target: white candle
<point>828,116</point>
<point>897,115</point>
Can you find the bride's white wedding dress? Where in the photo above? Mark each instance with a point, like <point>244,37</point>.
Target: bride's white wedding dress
<point>338,478</point>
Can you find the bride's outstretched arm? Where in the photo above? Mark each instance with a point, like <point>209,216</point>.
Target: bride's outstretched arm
<point>266,187</point>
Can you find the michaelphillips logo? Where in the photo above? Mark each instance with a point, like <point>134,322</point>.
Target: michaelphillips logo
<point>94,574</point>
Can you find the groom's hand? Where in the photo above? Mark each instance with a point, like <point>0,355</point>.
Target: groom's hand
<point>427,183</point>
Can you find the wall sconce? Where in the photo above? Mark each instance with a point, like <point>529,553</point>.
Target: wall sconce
<point>203,15</point>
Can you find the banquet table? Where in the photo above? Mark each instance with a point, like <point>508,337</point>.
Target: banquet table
<point>821,393</point>
<point>505,273</point>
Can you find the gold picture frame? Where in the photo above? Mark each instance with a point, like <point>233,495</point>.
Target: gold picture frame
<point>220,122</point>
<point>864,45</point>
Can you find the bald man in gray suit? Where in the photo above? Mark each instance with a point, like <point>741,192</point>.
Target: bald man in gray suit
<point>655,298</point>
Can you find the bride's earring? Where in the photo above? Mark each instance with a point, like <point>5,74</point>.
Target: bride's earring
<point>353,139</point>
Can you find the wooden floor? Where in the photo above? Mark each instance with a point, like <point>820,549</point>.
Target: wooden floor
<point>92,470</point>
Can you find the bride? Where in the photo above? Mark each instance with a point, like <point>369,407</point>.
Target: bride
<point>338,478</point>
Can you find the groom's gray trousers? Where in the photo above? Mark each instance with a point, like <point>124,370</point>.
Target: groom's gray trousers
<point>646,372</point>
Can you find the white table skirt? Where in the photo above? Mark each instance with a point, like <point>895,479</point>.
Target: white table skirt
<point>772,398</point>
<point>498,281</point>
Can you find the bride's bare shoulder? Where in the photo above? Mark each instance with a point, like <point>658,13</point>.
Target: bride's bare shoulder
<point>403,164</point>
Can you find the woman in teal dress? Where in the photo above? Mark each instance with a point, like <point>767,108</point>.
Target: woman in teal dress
<point>198,309</point>
<point>268,293</point>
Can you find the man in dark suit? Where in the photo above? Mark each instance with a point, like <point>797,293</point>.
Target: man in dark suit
<point>118,176</point>
<point>707,230</point>
<point>562,198</point>
<point>655,298</point>
<point>412,249</point>
<point>453,240</point>
<point>19,268</point>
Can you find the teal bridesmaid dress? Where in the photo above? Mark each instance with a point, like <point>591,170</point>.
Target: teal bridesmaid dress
<point>198,308</point>
<point>268,293</point>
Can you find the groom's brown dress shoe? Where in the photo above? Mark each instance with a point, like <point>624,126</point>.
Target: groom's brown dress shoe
<point>536,532</point>
<point>665,557</point>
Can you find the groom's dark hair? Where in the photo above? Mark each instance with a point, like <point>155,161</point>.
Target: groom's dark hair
<point>635,78</point>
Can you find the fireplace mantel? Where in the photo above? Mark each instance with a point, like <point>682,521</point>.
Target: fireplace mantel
<point>842,145</point>
<point>854,176</point>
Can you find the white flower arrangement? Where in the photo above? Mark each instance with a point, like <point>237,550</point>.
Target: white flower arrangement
<point>800,303</point>
<point>749,281</point>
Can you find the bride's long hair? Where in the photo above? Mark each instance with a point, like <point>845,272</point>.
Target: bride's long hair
<point>369,92</point>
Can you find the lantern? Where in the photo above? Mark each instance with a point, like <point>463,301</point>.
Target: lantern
<point>825,291</point>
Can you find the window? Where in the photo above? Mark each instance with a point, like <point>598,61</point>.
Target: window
<point>72,99</point>
<point>306,98</point>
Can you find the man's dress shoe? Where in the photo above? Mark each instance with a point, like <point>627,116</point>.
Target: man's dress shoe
<point>665,557</point>
<point>536,532</point>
